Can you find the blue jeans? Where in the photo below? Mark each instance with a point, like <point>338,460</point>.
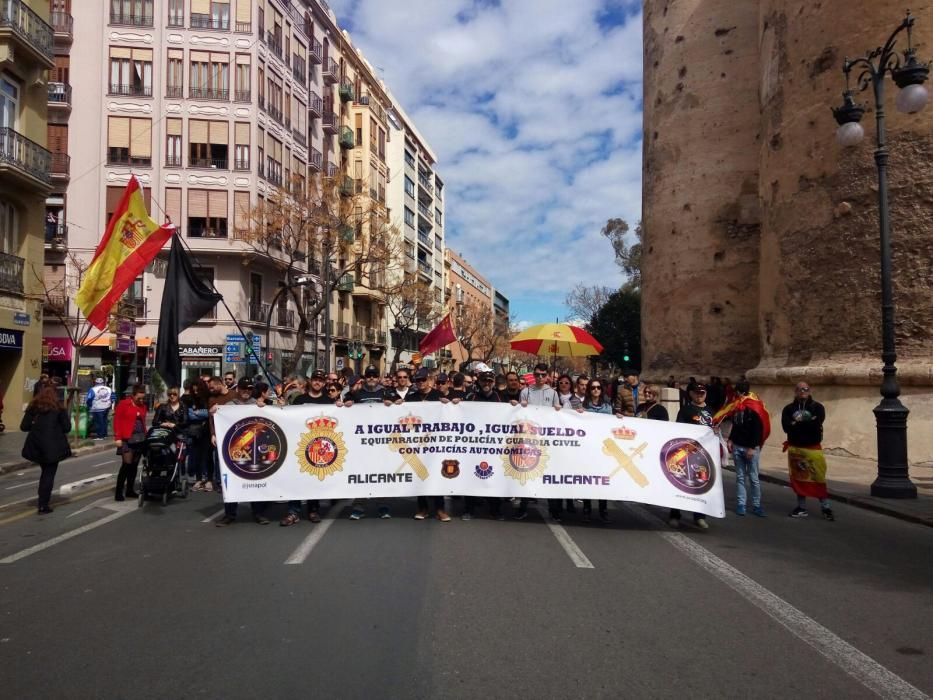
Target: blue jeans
<point>746,466</point>
<point>99,418</point>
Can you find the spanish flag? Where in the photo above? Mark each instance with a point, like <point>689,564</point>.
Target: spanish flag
<point>751,401</point>
<point>130,242</point>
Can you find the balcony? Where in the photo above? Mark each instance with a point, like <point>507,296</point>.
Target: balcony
<point>315,52</point>
<point>208,93</point>
<point>330,72</point>
<point>346,233</point>
<point>11,273</point>
<point>209,163</point>
<point>174,91</point>
<point>329,122</point>
<point>425,212</point>
<point>315,104</point>
<point>369,294</point>
<point>344,284</point>
<point>173,160</point>
<point>258,312</point>
<point>315,160</point>
<point>346,137</point>
<point>332,170</point>
<point>298,69</point>
<point>285,318</point>
<point>425,183</point>
<point>130,19</point>
<point>207,231</point>
<point>59,95</point>
<point>55,304</point>
<point>424,239</point>
<point>56,236</point>
<point>61,166</point>
<point>63,26</point>
<point>242,95</point>
<point>201,21</point>
<point>341,329</point>
<point>347,186</point>
<point>131,90</point>
<point>19,23</point>
<point>300,137</point>
<point>243,27</point>
<point>24,160</point>
<point>274,44</point>
<point>346,91</point>
<point>274,112</point>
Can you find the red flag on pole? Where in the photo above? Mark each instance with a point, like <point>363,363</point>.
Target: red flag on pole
<point>442,335</point>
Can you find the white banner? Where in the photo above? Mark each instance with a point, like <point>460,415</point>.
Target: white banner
<point>469,449</point>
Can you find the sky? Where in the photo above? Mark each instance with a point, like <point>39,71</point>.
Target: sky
<point>534,109</point>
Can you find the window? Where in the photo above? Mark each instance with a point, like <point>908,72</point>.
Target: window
<point>241,147</point>
<point>175,74</point>
<point>172,203</point>
<point>9,103</point>
<point>129,141</point>
<point>241,213</point>
<point>242,78</point>
<point>130,71</point>
<point>176,13</point>
<point>208,144</point>
<point>207,213</point>
<point>409,159</point>
<point>210,14</point>
<point>9,236</point>
<point>409,217</point>
<point>243,16</point>
<point>273,171</point>
<point>210,76</point>
<point>137,13</point>
<point>438,216</point>
<point>173,143</point>
<point>409,186</point>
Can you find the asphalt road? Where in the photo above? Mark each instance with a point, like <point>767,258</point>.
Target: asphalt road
<point>156,603</point>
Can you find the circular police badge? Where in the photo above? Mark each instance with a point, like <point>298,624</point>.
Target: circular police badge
<point>483,470</point>
<point>254,448</point>
<point>321,451</point>
<point>688,466</point>
<point>526,459</point>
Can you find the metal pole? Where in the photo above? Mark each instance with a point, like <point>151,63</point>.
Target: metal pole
<point>893,479</point>
<point>326,293</point>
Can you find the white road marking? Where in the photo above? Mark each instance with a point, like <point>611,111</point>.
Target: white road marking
<point>212,517</point>
<point>67,489</point>
<point>109,462</point>
<point>576,554</point>
<point>317,534</point>
<point>860,666</point>
<point>93,504</point>
<point>64,537</point>
<point>19,486</point>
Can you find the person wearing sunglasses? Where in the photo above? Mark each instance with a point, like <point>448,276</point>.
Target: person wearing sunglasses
<point>313,394</point>
<point>651,407</point>
<point>370,393</point>
<point>172,413</point>
<point>540,395</point>
<point>695,413</point>
<point>802,420</point>
<point>425,392</point>
<point>565,393</point>
<point>596,402</point>
<point>486,393</point>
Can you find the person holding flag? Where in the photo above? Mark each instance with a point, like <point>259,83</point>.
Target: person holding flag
<point>751,426</point>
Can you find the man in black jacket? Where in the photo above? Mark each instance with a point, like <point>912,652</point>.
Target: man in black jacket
<point>745,441</point>
<point>802,420</point>
<point>486,393</point>
<point>694,413</point>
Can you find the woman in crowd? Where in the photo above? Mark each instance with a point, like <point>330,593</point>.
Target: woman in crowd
<point>264,395</point>
<point>596,402</point>
<point>651,407</point>
<point>171,414</point>
<point>565,392</point>
<point>48,425</point>
<point>201,464</point>
<point>129,429</point>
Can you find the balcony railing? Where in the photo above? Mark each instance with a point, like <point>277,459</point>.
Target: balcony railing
<point>61,165</point>
<point>214,163</point>
<point>173,160</point>
<point>425,212</point>
<point>56,233</point>
<point>329,122</point>
<point>346,233</point>
<point>425,269</point>
<point>24,155</point>
<point>424,238</point>
<point>315,160</point>
<point>344,284</point>
<point>241,164</point>
<point>316,52</point>
<point>347,186</point>
<point>341,329</point>
<point>59,94</point>
<point>332,170</point>
<point>300,137</point>
<point>208,93</point>
<point>244,28</point>
<point>200,21</point>
<point>176,91</point>
<point>274,112</point>
<point>11,273</point>
<point>315,104</point>
<point>426,183</point>
<point>63,24</point>
<point>208,231</point>
<point>131,90</point>
<point>346,137</point>
<point>285,318</point>
<point>274,44</point>
<point>29,26</point>
<point>241,95</point>
<point>346,91</point>
<point>331,71</point>
<point>298,69</point>
<point>131,19</point>
<point>55,304</point>
<point>258,312</point>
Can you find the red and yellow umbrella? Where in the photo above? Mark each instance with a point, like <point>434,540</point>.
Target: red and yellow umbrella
<point>557,339</point>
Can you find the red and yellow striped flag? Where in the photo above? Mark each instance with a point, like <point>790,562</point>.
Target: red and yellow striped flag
<point>131,241</point>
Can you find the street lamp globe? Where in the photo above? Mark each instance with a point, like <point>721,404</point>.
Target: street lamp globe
<point>912,99</point>
<point>850,134</point>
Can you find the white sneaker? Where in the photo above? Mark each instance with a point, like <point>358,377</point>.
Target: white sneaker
<point>701,523</point>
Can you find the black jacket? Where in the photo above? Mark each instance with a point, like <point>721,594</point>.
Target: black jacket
<point>655,412</point>
<point>47,442</point>
<point>803,422</point>
<point>747,429</point>
<point>165,414</point>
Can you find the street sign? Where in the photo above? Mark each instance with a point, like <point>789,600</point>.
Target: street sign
<point>126,346</point>
<point>126,327</point>
<point>235,350</point>
<point>21,319</point>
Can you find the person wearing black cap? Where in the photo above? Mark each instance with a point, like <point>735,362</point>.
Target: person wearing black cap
<point>695,413</point>
<point>370,393</point>
<point>443,388</point>
<point>424,392</point>
<point>313,394</point>
<point>486,393</point>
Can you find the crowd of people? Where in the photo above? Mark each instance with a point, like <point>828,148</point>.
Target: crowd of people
<point>729,408</point>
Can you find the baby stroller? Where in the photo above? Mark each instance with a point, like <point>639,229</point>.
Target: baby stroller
<point>163,466</point>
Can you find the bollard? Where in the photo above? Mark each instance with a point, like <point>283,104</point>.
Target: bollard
<point>670,399</point>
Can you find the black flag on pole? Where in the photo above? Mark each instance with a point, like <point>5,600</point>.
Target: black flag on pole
<point>185,300</point>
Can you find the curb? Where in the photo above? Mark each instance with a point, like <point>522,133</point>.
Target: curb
<point>8,467</point>
<point>866,503</point>
<point>68,490</point>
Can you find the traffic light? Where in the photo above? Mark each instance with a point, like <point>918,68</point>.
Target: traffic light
<point>626,358</point>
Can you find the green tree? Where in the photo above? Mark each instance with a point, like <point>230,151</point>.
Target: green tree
<point>617,325</point>
<point>627,251</point>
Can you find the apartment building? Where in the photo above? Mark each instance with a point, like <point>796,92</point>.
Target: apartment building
<point>26,56</point>
<point>214,105</point>
<point>416,203</point>
<point>469,298</point>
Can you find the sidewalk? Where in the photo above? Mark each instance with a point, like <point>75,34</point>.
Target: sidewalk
<point>849,480</point>
<point>11,448</point>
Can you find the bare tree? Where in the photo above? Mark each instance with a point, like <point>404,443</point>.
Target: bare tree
<point>474,324</point>
<point>628,254</point>
<point>584,302</point>
<point>328,231</point>
<point>412,305</point>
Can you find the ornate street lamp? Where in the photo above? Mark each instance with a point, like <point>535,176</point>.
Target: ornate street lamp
<point>893,480</point>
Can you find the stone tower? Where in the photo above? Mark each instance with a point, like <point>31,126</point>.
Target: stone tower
<point>788,287</point>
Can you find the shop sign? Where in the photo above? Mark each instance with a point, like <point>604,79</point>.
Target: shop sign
<point>10,339</point>
<point>57,349</point>
<point>200,350</point>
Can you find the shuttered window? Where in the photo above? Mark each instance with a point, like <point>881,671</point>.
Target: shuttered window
<point>197,204</point>
<point>200,7</point>
<point>207,213</point>
<point>219,133</point>
<point>118,132</point>
<point>244,19</point>
<point>197,131</point>
<point>217,204</point>
<point>241,213</point>
<point>141,139</point>
<point>173,204</point>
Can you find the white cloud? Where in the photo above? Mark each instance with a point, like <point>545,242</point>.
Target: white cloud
<point>534,110</point>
